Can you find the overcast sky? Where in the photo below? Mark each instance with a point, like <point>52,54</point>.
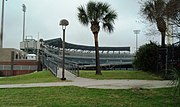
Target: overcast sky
<point>43,17</point>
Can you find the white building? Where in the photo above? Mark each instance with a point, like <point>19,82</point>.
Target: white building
<point>31,57</point>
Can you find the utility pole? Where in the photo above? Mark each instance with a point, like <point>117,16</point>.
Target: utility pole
<point>2,25</point>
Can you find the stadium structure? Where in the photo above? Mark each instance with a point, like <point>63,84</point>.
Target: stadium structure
<point>77,57</point>
<point>84,56</point>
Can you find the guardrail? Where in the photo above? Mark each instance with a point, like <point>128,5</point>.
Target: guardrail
<point>53,62</point>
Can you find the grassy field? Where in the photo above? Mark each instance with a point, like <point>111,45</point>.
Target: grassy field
<point>119,74</point>
<point>71,96</point>
<point>82,97</point>
<point>36,77</point>
<point>46,76</point>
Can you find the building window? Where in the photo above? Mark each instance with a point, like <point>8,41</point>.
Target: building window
<point>16,56</point>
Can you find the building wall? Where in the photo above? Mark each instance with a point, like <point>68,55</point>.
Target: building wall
<point>14,62</point>
<point>6,54</point>
<point>18,67</point>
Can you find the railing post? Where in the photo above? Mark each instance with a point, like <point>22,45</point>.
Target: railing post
<point>77,70</point>
<point>53,61</point>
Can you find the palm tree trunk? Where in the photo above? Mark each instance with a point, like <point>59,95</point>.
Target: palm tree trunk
<point>98,69</point>
<point>161,25</point>
<point>163,54</point>
<point>163,39</point>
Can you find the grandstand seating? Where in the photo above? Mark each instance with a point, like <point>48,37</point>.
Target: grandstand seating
<point>85,55</point>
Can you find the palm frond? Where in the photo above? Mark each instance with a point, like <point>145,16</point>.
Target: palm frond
<point>98,12</point>
<point>91,10</point>
<point>148,11</point>
<point>104,8</point>
<point>175,73</point>
<point>108,27</point>
<point>108,21</point>
<point>82,16</point>
<point>153,9</point>
<point>110,16</point>
<point>160,6</point>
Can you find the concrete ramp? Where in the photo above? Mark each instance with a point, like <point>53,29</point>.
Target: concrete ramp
<point>68,75</point>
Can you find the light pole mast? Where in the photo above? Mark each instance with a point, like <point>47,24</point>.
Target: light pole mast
<point>24,14</point>
<point>2,24</point>
<point>63,23</point>
<point>136,32</point>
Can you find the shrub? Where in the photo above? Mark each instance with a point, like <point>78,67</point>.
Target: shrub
<point>146,58</point>
<point>175,80</point>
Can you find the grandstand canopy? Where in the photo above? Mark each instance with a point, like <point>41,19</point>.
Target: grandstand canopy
<point>58,43</point>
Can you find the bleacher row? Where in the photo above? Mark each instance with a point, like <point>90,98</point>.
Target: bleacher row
<point>88,58</point>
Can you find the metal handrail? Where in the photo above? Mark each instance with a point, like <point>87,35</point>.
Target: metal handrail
<point>53,62</point>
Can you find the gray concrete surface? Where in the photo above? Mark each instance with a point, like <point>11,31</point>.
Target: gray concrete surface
<point>92,83</point>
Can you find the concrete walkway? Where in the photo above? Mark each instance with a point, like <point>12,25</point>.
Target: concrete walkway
<point>92,83</point>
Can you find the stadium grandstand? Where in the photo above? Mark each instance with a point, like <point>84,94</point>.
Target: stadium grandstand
<point>84,56</point>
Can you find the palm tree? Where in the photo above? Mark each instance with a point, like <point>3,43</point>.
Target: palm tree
<point>94,14</point>
<point>173,12</point>
<point>154,11</point>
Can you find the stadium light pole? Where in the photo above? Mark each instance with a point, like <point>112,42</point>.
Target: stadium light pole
<point>136,32</point>
<point>24,14</point>
<point>63,23</point>
<point>2,25</point>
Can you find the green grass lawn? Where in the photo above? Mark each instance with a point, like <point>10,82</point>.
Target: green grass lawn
<point>36,77</point>
<point>46,76</point>
<point>119,74</point>
<point>82,97</point>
